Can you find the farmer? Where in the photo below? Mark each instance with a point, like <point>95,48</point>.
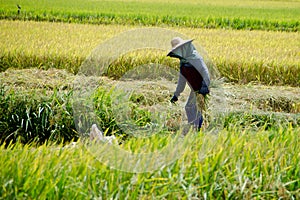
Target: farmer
<point>193,71</point>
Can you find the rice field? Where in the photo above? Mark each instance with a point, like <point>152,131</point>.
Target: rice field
<point>248,151</point>
<point>254,155</point>
<point>240,56</point>
<point>250,15</point>
<point>239,165</point>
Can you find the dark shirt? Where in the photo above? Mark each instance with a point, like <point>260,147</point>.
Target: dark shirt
<point>192,76</point>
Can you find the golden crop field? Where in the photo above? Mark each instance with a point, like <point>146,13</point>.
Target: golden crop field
<point>240,56</point>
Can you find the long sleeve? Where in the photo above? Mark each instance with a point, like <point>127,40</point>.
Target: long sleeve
<point>180,85</point>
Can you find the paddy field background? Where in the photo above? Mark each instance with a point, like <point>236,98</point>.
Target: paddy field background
<point>253,44</point>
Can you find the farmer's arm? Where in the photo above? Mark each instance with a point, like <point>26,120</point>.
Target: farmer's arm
<point>180,85</point>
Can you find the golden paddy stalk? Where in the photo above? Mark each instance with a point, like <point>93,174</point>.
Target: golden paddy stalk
<point>241,56</point>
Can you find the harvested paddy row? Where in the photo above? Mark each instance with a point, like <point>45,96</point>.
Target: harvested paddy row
<point>40,103</point>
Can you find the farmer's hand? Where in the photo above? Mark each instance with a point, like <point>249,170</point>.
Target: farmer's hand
<point>174,99</point>
<point>204,89</point>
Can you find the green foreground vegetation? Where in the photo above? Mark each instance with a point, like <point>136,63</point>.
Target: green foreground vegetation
<point>239,165</point>
<point>254,44</point>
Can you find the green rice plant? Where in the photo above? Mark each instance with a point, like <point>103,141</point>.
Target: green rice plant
<point>144,20</point>
<point>248,15</point>
<point>260,120</point>
<point>29,117</point>
<point>236,164</point>
<point>41,115</point>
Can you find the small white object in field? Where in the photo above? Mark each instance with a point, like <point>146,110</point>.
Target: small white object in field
<point>97,135</point>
